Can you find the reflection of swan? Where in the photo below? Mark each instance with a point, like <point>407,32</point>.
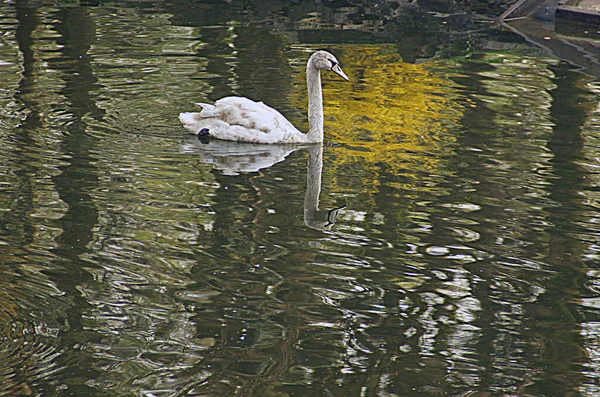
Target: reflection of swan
<point>313,217</point>
<point>241,119</point>
<point>232,158</point>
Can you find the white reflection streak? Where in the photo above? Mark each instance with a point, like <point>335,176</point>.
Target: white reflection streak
<point>590,332</point>
<point>462,363</point>
<point>233,63</point>
<point>430,326</point>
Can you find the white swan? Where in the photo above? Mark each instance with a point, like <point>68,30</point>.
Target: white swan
<point>241,119</point>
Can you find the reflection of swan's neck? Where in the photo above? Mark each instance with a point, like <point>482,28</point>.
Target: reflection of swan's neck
<point>313,184</point>
<point>315,103</point>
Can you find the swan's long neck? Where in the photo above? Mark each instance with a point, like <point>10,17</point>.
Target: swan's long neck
<point>315,103</point>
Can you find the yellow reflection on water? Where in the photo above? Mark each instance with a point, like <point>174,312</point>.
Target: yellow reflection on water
<point>391,114</point>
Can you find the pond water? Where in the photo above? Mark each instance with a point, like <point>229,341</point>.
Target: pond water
<point>443,241</point>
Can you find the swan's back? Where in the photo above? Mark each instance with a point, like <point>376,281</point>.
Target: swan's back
<point>250,114</point>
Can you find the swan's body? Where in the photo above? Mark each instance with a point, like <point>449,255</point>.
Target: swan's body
<point>244,120</point>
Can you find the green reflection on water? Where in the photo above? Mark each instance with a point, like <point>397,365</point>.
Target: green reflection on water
<point>462,248</point>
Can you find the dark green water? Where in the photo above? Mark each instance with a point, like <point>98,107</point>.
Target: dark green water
<point>464,168</point>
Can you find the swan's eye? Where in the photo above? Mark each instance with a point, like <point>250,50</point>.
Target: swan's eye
<point>333,63</point>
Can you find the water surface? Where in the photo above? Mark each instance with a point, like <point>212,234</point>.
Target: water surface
<point>442,241</point>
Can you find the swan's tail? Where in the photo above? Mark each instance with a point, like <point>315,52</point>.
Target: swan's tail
<point>189,118</point>
<point>193,121</point>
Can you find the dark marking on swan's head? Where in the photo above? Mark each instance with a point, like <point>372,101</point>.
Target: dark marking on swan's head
<point>323,60</point>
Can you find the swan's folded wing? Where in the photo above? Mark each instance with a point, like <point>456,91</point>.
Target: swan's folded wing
<point>252,115</point>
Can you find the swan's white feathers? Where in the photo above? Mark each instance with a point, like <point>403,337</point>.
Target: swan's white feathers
<point>244,120</point>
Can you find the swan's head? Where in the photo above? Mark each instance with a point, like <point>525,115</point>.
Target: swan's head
<point>322,60</point>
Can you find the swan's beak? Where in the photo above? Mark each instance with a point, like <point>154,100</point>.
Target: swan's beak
<point>338,70</point>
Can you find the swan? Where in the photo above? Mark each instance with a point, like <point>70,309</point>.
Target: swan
<point>244,120</point>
